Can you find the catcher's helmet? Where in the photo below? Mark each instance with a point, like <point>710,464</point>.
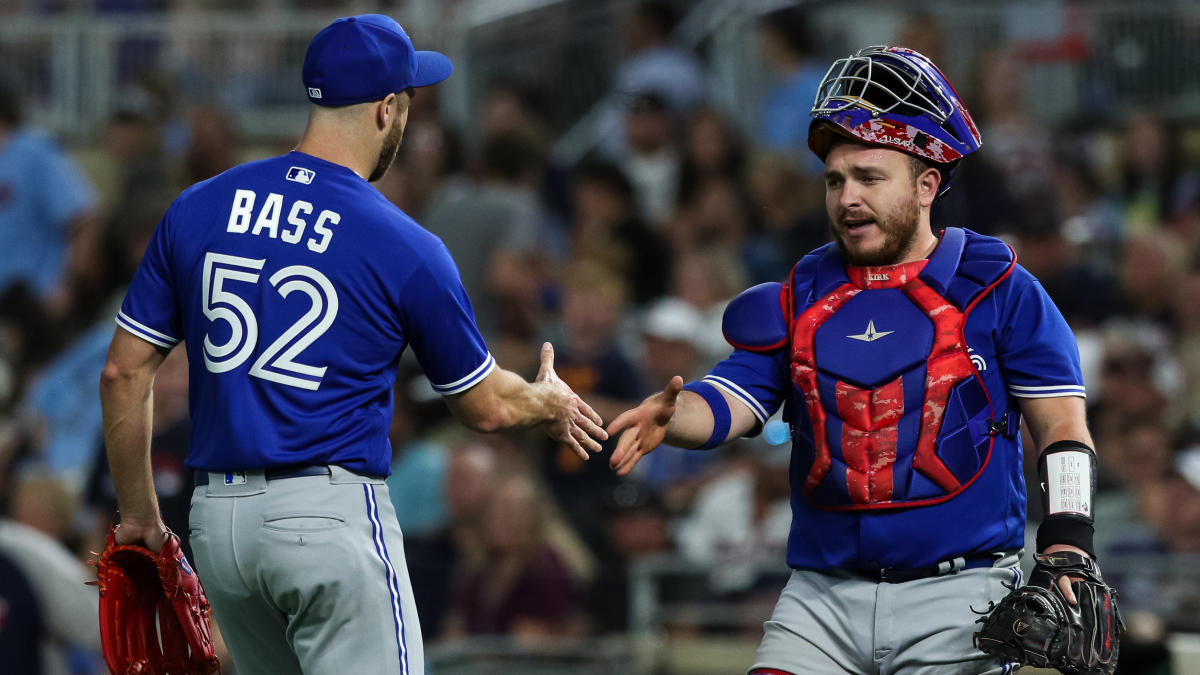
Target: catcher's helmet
<point>895,97</point>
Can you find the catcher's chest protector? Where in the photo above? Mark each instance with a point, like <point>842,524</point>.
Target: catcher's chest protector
<point>898,413</point>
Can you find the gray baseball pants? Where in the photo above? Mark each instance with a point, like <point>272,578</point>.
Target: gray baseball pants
<point>834,622</point>
<point>306,574</point>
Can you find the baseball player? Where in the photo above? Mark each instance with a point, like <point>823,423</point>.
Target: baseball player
<point>904,361</point>
<point>295,287</point>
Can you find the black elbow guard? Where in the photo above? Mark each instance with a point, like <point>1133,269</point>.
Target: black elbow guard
<point>1067,470</point>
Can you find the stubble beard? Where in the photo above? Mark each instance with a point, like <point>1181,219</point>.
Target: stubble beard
<point>899,229</point>
<point>387,153</point>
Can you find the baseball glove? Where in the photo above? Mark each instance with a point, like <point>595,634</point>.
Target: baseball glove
<point>153,612</point>
<point>1034,625</point>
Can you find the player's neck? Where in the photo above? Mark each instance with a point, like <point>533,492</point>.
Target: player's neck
<point>332,147</point>
<point>923,246</point>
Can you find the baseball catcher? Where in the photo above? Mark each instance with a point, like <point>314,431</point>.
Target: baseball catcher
<point>154,616</point>
<point>1066,617</point>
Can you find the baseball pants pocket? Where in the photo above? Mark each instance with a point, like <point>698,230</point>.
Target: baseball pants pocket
<point>303,522</point>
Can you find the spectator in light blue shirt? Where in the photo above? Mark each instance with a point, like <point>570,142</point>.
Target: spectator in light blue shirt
<point>788,50</point>
<point>45,204</point>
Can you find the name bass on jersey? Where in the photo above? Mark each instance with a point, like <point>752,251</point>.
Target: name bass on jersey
<point>267,222</point>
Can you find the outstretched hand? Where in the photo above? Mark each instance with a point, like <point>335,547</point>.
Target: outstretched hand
<point>575,424</point>
<point>643,427</point>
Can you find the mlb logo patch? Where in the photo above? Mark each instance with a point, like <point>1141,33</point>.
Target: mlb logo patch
<point>235,478</point>
<point>314,92</point>
<point>299,174</point>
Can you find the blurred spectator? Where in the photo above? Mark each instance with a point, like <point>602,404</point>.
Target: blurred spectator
<point>1085,294</point>
<point>712,149</point>
<point>1017,144</point>
<point>1153,176</point>
<point>1166,590</point>
<point>47,210</point>
<point>1151,267</point>
<point>790,209</point>
<point>719,216</point>
<point>523,588</point>
<point>590,359</point>
<point>1151,166</point>
<point>510,106</point>
<point>430,160</point>
<point>61,632</point>
<point>1090,217</point>
<point>420,455</point>
<point>1135,374</point>
<point>492,229</point>
<point>467,487</point>
<point>1187,340</point>
<point>741,520</point>
<point>1132,501</point>
<point>654,64</point>
<point>790,52</point>
<point>45,504</point>
<point>922,32</point>
<point>212,148</point>
<point>652,161</point>
<point>1182,518</point>
<point>28,338</point>
<point>169,443</point>
<point>64,393</point>
<point>635,524</point>
<point>607,228</point>
<point>707,279</point>
<point>671,329</point>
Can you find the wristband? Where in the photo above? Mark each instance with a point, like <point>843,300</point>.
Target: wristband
<point>1067,471</point>
<point>720,412</point>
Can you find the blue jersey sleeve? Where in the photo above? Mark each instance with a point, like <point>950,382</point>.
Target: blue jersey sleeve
<point>759,381</point>
<point>1035,346</point>
<point>150,310</point>
<point>440,326</point>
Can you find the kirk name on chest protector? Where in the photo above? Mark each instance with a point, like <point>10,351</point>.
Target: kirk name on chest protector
<point>273,217</point>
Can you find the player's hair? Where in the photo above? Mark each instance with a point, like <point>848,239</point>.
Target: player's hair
<point>917,166</point>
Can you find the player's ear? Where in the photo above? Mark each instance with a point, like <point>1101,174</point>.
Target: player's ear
<point>384,110</point>
<point>927,186</point>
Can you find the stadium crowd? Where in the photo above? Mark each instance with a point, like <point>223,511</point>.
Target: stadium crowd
<point>624,261</point>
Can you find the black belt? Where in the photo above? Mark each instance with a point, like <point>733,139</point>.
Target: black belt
<point>893,575</point>
<point>272,473</point>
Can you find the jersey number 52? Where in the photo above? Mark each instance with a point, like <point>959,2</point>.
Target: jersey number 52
<point>277,362</point>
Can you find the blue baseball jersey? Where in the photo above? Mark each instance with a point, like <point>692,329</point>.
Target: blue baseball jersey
<point>1019,345</point>
<point>296,286</point>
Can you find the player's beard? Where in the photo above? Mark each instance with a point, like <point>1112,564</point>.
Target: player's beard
<point>387,154</point>
<point>899,229</point>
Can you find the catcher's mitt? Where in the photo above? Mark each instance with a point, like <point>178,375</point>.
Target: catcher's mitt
<point>1034,625</point>
<point>153,612</point>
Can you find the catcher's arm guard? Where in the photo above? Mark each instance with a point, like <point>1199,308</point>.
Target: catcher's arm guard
<point>154,616</point>
<point>1034,625</point>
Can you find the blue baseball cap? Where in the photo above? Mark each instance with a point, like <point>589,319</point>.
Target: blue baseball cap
<point>364,58</point>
